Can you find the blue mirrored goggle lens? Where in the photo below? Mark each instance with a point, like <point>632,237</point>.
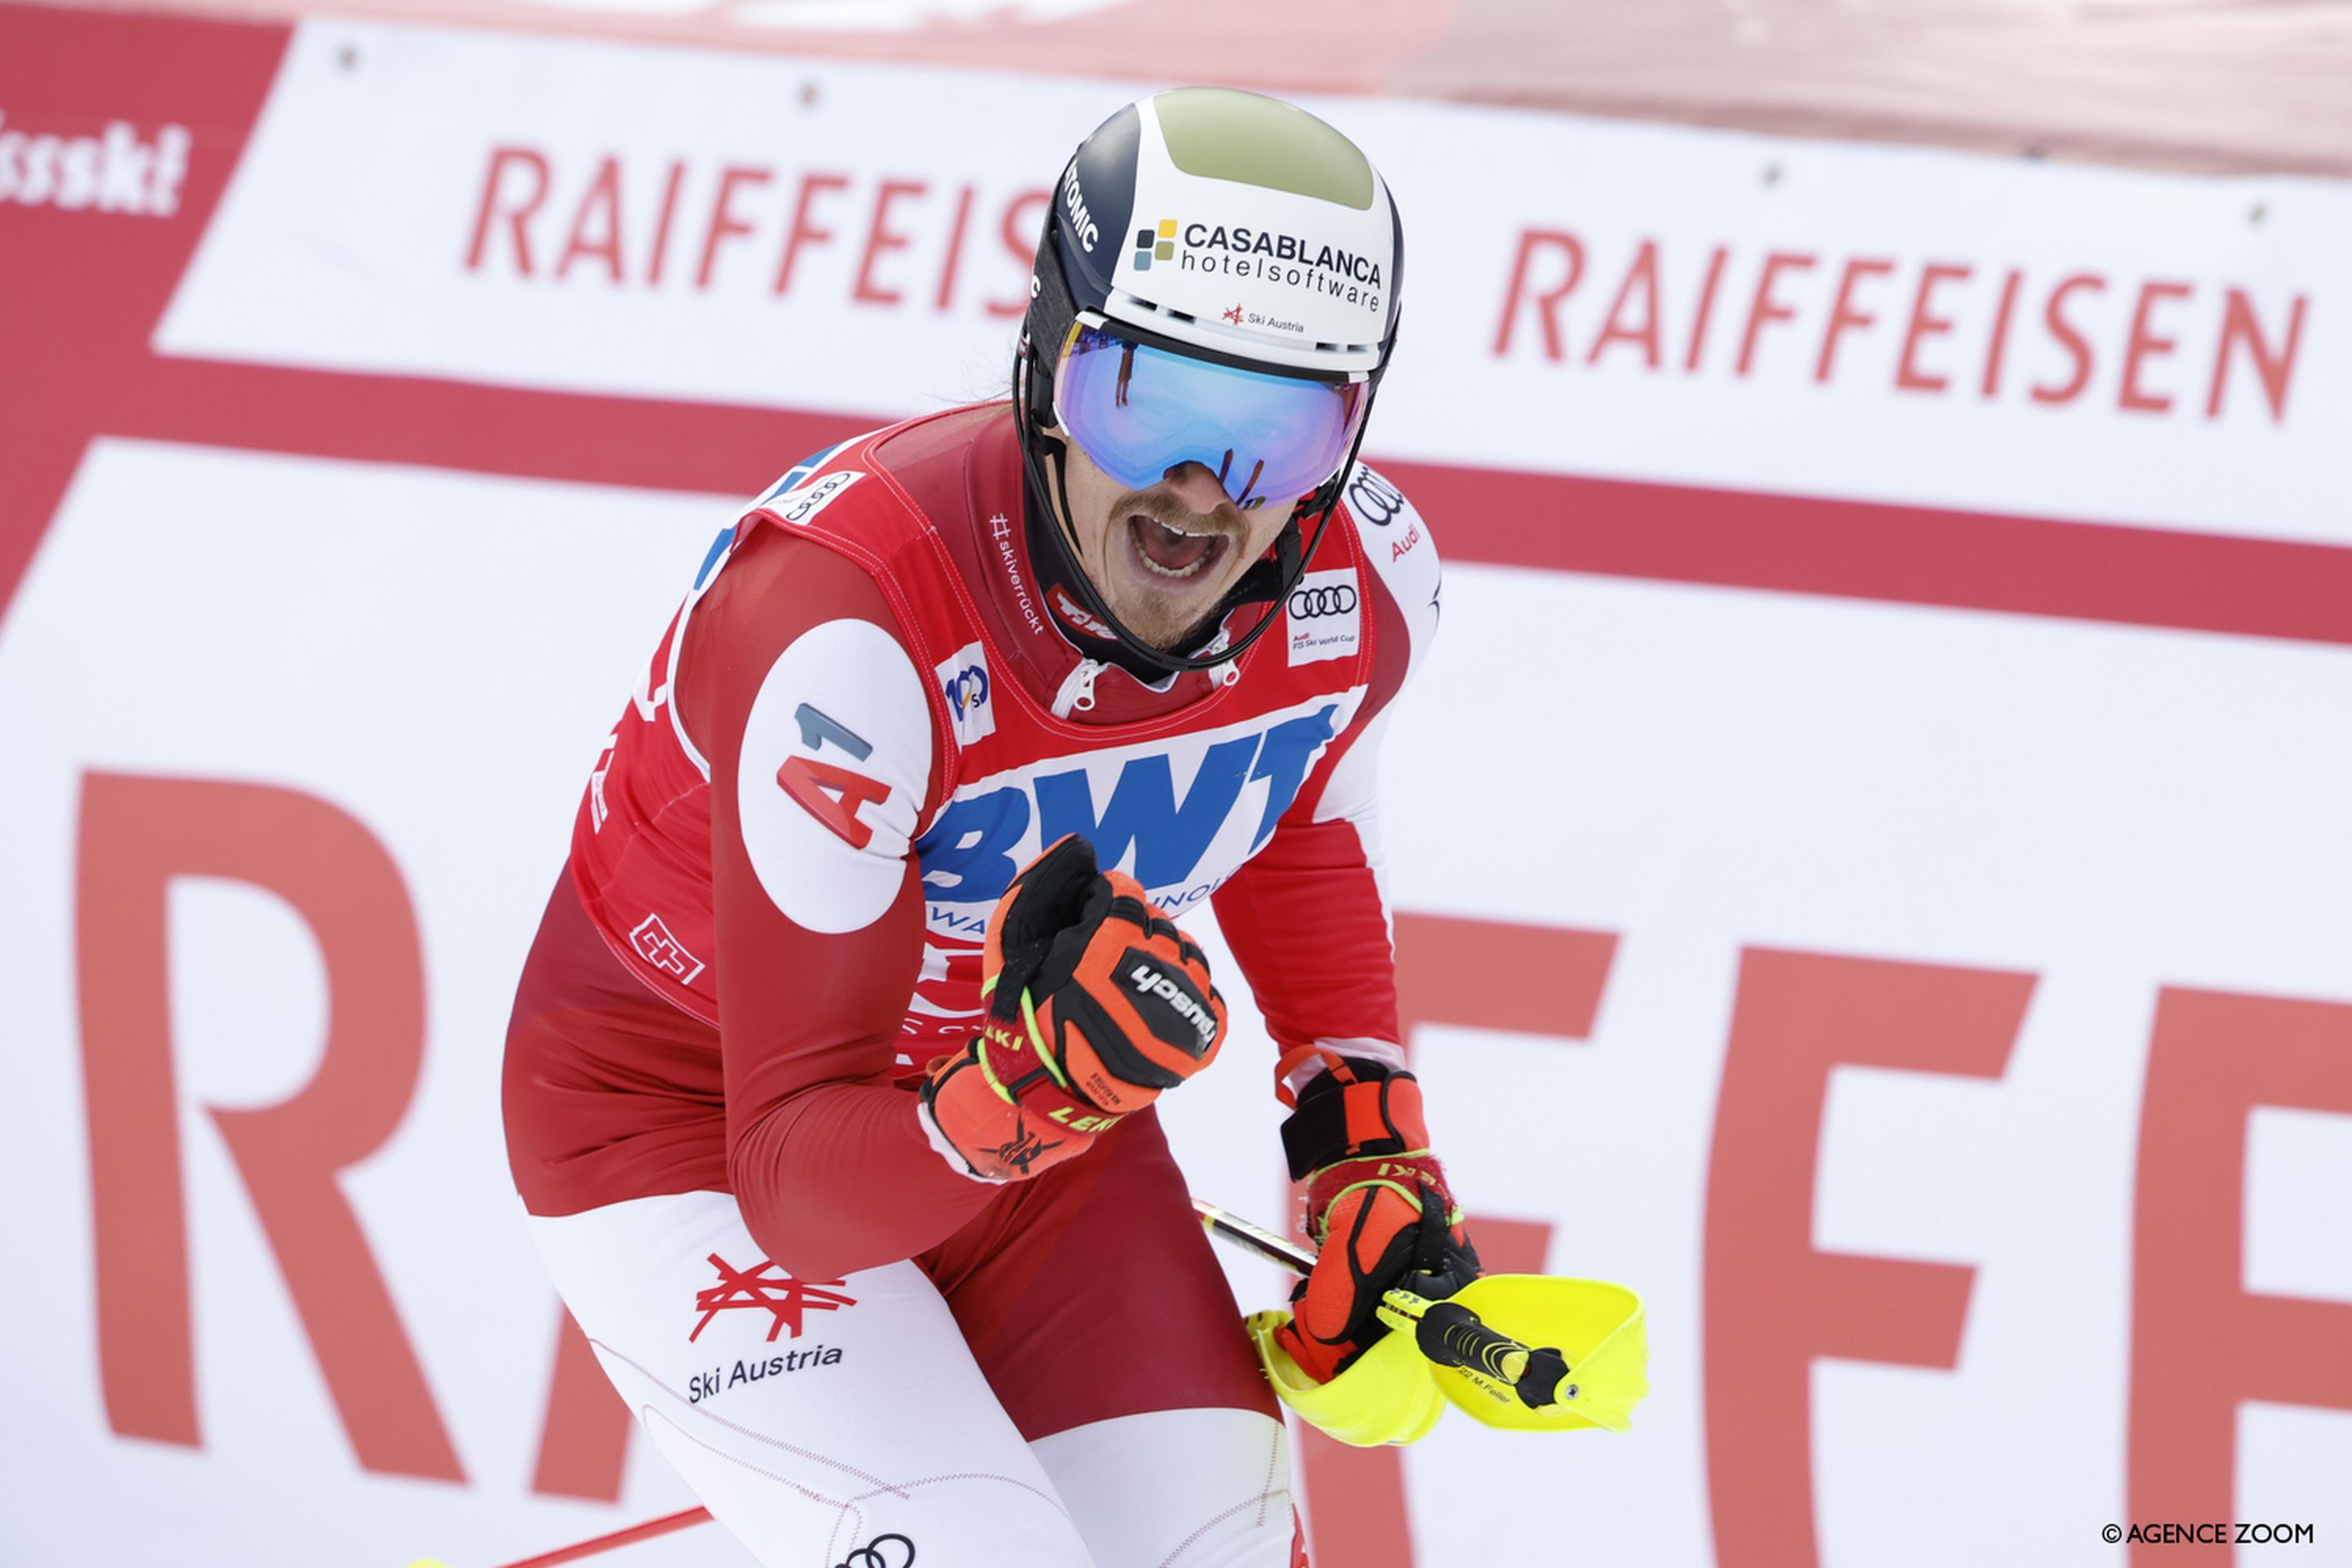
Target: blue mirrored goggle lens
<point>1139,411</point>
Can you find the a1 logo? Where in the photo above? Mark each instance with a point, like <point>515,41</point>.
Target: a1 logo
<point>828,791</point>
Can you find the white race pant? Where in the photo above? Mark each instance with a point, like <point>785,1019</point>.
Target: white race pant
<point>814,1421</point>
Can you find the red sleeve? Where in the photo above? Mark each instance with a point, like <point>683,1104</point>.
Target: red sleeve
<point>1306,922</point>
<point>824,1155</point>
<point>1304,917</point>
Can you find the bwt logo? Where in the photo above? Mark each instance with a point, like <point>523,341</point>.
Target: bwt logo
<point>1141,821</point>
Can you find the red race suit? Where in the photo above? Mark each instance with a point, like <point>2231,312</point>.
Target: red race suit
<point>863,721</point>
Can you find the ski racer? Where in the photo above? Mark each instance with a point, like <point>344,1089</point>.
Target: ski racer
<point>831,1075</point>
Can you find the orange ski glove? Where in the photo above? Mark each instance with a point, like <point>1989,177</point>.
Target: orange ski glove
<point>1095,1004</point>
<point>1377,1207</point>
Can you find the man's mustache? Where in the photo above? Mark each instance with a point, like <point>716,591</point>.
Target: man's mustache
<point>1160,506</point>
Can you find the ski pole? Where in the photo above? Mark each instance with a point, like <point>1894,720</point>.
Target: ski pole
<point>1446,1332</point>
<point>590,1548</point>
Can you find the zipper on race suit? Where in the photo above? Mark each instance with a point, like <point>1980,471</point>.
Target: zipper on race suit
<point>1078,692</point>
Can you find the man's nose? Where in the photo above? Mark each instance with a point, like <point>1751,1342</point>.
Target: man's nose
<point>1195,485</point>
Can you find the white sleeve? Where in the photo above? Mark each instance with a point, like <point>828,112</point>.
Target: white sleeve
<point>830,782</point>
<point>1402,558</point>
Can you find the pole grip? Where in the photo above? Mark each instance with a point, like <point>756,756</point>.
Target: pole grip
<point>1451,1334</point>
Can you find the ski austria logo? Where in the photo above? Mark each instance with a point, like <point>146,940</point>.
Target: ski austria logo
<point>762,1288</point>
<point>766,1287</point>
<point>798,505</point>
<point>1326,617</point>
<point>963,677</point>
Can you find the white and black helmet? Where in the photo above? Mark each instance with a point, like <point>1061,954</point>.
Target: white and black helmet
<point>1190,206</point>
<point>1234,230</point>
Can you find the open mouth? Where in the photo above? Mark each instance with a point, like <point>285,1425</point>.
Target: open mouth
<point>1173,553</point>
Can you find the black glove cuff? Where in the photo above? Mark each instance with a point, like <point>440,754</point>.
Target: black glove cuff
<point>1315,1134</point>
<point>1059,892</point>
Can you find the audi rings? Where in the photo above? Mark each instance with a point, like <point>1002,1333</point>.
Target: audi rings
<point>1322,599</point>
<point>1373,499</point>
<point>892,1551</point>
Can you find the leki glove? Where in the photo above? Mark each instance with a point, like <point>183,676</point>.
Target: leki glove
<point>1095,1004</point>
<point>1377,1208</point>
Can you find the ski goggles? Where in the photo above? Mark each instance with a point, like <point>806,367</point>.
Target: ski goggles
<point>1141,409</point>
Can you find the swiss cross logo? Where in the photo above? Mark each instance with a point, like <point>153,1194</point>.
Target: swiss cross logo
<point>764,1287</point>
<point>664,951</point>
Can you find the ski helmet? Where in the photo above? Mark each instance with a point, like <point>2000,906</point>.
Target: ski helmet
<point>1242,257</point>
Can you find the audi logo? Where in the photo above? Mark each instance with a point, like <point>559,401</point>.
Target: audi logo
<point>822,491</point>
<point>883,1551</point>
<point>1373,499</point>
<point>1331,599</point>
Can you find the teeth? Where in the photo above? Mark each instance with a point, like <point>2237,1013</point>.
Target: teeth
<point>1180,574</point>
<point>1192,571</point>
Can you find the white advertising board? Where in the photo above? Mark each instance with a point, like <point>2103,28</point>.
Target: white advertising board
<point>1587,297</point>
<point>1942,1014</point>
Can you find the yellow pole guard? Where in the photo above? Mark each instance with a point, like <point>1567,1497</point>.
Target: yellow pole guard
<point>1386,1396</point>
